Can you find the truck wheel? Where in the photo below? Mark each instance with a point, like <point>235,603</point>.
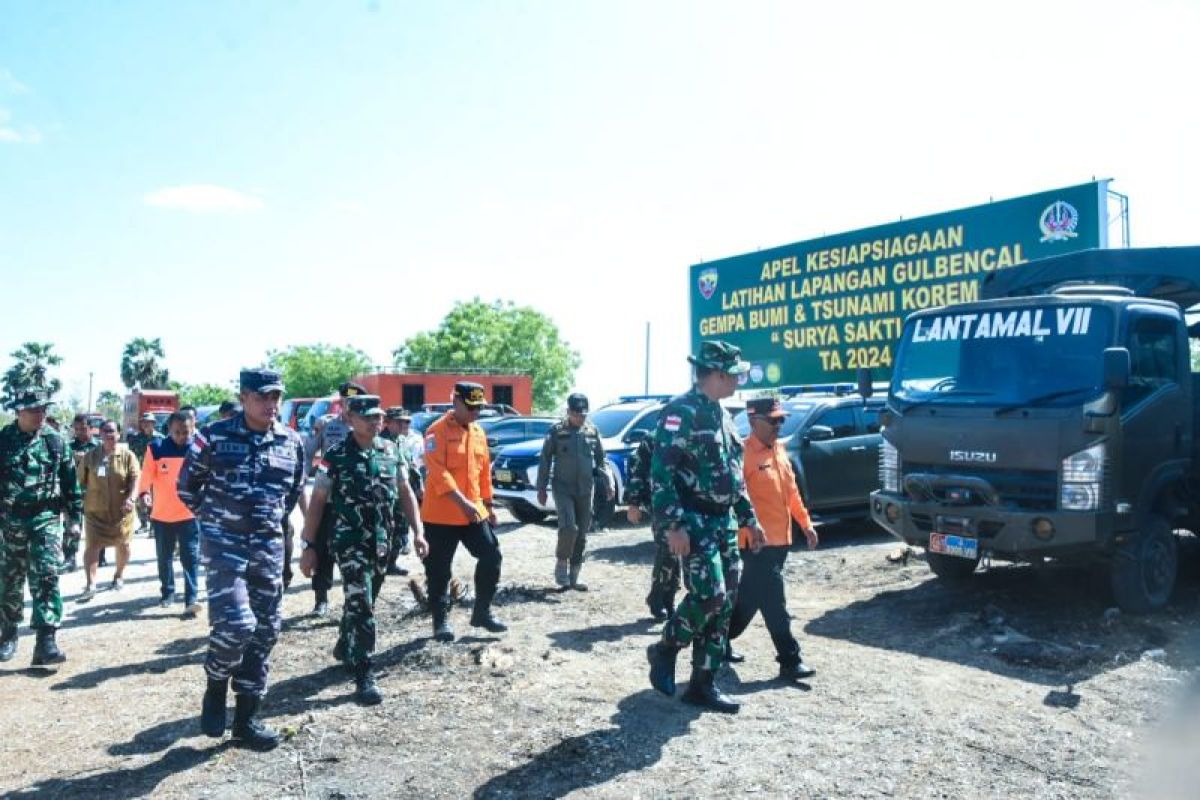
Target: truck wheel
<point>528,515</point>
<point>1143,570</point>
<point>951,569</point>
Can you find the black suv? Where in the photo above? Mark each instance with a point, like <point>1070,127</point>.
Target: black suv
<point>832,439</point>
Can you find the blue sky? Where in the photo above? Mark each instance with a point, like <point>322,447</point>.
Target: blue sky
<point>236,177</point>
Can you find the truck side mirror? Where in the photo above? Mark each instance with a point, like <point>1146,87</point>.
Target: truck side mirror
<point>492,441</point>
<point>1116,368</point>
<point>864,382</point>
<point>818,433</point>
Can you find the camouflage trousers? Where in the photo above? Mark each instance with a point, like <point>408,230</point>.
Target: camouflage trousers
<point>398,535</point>
<point>30,547</point>
<point>245,587</point>
<point>362,571</point>
<point>664,578</point>
<point>711,572</point>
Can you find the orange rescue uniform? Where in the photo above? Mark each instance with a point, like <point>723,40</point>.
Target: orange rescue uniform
<point>771,485</point>
<point>456,457</point>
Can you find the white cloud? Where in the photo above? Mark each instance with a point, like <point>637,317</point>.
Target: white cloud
<point>11,135</point>
<point>10,85</point>
<point>203,198</point>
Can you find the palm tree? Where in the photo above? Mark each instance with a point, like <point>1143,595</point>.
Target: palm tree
<point>140,365</point>
<point>31,370</point>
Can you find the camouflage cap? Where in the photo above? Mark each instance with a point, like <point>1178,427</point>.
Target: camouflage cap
<point>470,393</point>
<point>398,412</point>
<point>31,398</point>
<point>351,389</point>
<point>365,405</point>
<point>263,381</point>
<point>721,356</point>
<point>577,402</point>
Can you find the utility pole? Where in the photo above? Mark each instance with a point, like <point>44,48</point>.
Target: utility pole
<point>646,388</point>
<point>89,408</point>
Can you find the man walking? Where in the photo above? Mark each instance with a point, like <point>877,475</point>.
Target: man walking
<point>37,484</point>
<point>771,484</point>
<point>572,461</point>
<point>139,442</point>
<point>398,429</point>
<point>458,508</point>
<point>699,497</point>
<point>82,443</point>
<point>238,477</point>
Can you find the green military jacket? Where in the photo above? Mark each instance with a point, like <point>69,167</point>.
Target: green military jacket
<point>138,442</point>
<point>362,486</point>
<point>696,466</point>
<point>573,458</point>
<point>37,475</point>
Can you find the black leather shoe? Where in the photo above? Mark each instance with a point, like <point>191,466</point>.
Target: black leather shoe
<point>396,569</point>
<point>45,651</point>
<point>8,643</point>
<point>249,732</point>
<point>366,692</point>
<point>212,710</point>
<point>796,672</point>
<point>484,619</point>
<point>662,667</point>
<point>703,691</point>
<point>733,656</point>
<point>321,606</point>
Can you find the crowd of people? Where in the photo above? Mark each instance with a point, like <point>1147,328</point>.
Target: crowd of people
<point>721,511</point>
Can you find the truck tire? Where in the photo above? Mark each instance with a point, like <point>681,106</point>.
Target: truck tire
<point>528,515</point>
<point>951,569</point>
<point>1143,570</point>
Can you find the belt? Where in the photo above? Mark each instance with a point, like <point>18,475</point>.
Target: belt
<point>706,506</point>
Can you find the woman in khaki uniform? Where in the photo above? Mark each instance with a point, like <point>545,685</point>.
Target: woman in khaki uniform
<point>109,478</point>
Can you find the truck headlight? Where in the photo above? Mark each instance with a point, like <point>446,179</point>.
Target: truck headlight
<point>1082,476</point>
<point>889,467</point>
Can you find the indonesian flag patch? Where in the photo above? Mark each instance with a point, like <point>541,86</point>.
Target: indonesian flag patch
<point>672,422</point>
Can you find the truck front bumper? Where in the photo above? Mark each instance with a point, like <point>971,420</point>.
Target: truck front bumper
<point>1003,532</point>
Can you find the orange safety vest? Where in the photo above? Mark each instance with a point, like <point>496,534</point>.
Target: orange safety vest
<point>456,457</point>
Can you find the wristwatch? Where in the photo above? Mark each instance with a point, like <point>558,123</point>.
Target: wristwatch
<point>305,544</point>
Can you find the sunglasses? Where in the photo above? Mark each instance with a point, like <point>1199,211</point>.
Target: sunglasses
<point>776,421</point>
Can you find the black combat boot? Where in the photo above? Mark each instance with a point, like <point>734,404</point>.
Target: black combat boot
<point>481,615</point>
<point>703,691</point>
<point>654,602</point>
<point>733,656</point>
<point>442,631</point>
<point>45,651</point>
<point>212,710</point>
<point>662,666</point>
<point>366,692</point>
<point>321,606</point>
<point>8,643</point>
<point>248,731</point>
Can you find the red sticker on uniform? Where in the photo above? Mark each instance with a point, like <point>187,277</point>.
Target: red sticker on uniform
<point>672,422</point>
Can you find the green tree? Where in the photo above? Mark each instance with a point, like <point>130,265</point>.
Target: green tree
<point>31,370</point>
<point>497,336</point>
<point>110,404</point>
<point>202,394</point>
<point>141,364</point>
<point>315,370</point>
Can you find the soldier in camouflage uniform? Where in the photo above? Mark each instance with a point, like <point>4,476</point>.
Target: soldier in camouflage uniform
<point>398,422</point>
<point>699,497</point>
<point>37,485</point>
<point>137,442</point>
<point>358,484</point>
<point>82,443</point>
<point>333,433</point>
<point>664,578</point>
<point>572,464</point>
<point>237,478</point>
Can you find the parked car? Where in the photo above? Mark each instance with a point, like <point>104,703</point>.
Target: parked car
<point>503,431</point>
<point>293,410</point>
<point>833,441</point>
<point>321,407</point>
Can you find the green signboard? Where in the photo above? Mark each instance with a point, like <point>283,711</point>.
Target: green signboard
<point>816,311</point>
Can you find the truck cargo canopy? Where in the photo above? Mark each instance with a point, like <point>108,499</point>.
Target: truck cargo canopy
<point>1163,273</point>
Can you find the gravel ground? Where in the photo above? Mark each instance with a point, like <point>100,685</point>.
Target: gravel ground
<point>1021,684</point>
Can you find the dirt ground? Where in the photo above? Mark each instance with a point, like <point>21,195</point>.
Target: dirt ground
<point>1021,685</point>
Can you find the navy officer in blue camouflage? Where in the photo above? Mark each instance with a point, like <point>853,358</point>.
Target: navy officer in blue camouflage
<point>239,476</point>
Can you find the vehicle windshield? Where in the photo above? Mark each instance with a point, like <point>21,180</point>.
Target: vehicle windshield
<point>423,419</point>
<point>1051,355</point>
<point>611,421</point>
<point>798,413</point>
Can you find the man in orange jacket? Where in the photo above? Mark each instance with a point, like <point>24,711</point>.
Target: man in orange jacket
<point>771,485</point>
<point>457,507</point>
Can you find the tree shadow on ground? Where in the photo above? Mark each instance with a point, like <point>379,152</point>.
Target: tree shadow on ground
<point>636,553</point>
<point>90,680</point>
<point>644,723</point>
<point>1049,626</point>
<point>583,640</point>
<point>121,784</point>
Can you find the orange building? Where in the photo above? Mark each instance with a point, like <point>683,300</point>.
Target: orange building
<point>414,389</point>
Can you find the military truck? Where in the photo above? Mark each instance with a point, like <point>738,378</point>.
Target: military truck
<point>1054,419</point>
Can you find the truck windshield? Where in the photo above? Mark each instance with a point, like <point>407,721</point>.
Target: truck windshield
<point>1004,356</point>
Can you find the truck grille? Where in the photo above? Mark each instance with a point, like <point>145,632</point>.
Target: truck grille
<point>1025,489</point>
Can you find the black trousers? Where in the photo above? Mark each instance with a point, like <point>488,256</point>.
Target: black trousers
<point>480,541</point>
<point>322,579</point>
<point>762,590</point>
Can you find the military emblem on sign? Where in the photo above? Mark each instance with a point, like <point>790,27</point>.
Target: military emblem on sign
<point>708,283</point>
<point>1058,222</point>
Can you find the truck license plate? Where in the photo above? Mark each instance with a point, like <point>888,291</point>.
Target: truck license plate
<point>961,546</point>
<point>504,475</point>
